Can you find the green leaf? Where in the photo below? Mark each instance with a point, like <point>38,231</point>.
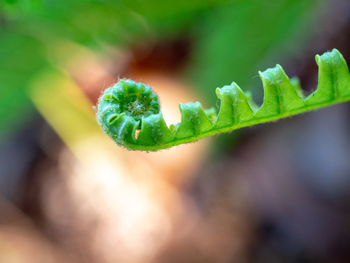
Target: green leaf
<point>282,98</point>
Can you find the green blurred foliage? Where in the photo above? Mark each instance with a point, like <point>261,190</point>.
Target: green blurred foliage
<point>30,28</point>
<point>237,40</point>
<point>21,57</point>
<point>232,38</point>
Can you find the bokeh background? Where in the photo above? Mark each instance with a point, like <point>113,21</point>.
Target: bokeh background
<point>278,192</point>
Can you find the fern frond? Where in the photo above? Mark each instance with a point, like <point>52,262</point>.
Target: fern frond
<point>129,106</point>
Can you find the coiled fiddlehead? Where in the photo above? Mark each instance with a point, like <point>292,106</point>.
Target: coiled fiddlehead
<point>129,106</point>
